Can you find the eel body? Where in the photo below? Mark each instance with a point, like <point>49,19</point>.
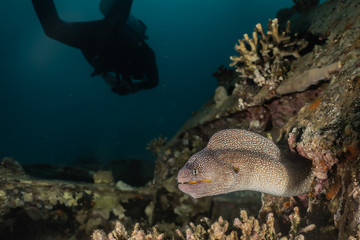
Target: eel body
<point>236,160</point>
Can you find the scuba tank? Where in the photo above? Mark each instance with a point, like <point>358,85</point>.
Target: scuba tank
<point>134,30</point>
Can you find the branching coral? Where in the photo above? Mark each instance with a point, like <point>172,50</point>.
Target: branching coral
<point>156,144</point>
<point>244,228</point>
<point>266,57</point>
<point>120,233</point>
<point>251,228</point>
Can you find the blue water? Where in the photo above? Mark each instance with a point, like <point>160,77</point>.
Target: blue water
<point>52,111</point>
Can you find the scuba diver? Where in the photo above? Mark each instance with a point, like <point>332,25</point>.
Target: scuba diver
<point>115,46</point>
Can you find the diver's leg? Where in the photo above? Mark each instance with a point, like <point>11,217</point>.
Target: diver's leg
<point>116,12</point>
<point>78,34</point>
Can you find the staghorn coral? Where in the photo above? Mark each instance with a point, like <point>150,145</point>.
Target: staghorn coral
<point>120,233</point>
<point>243,228</point>
<point>266,58</point>
<point>250,227</point>
<point>156,144</point>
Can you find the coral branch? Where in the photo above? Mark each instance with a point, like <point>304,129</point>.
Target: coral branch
<point>265,58</point>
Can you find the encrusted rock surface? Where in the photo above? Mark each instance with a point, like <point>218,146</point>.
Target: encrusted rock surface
<point>39,208</point>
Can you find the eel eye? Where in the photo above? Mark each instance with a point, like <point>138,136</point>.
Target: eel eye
<point>195,172</point>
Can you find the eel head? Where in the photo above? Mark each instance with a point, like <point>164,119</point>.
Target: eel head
<point>206,175</point>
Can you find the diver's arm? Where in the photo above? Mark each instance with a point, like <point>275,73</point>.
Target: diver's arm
<point>75,34</point>
<point>152,75</point>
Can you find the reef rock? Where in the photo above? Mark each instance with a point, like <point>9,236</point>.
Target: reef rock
<point>314,111</point>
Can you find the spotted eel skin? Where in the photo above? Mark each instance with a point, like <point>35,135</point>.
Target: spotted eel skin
<point>236,160</point>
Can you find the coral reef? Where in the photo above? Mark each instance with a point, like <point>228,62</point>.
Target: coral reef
<point>320,123</point>
<point>266,58</point>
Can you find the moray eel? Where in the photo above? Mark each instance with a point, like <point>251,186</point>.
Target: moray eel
<point>236,160</point>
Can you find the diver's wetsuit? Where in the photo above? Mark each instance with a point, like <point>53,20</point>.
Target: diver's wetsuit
<point>107,45</point>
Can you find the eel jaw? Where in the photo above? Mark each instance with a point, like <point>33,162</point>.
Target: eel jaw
<point>195,188</point>
<point>197,181</point>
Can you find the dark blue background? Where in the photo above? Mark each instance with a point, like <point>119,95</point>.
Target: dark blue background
<point>52,111</point>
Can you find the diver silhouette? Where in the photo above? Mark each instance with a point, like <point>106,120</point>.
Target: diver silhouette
<point>115,46</point>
